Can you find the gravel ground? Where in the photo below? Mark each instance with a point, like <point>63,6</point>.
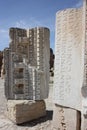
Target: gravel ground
<point>44,123</point>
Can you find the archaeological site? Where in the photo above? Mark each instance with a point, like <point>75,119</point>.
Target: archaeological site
<point>43,90</point>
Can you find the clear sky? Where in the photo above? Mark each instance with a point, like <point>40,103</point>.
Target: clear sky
<point>30,13</point>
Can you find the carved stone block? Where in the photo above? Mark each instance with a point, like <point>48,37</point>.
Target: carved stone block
<point>66,118</point>
<point>69,47</point>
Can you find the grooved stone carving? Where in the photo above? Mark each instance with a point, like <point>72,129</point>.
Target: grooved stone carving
<point>27,64</point>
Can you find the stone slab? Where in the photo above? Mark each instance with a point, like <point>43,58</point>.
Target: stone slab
<point>69,58</point>
<point>20,111</point>
<point>66,118</point>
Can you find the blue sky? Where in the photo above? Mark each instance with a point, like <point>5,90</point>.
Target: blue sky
<point>30,13</point>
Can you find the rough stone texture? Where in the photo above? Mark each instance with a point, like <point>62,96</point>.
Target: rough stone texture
<point>69,56</point>
<point>70,79</point>
<point>1,57</point>
<point>20,111</point>
<point>66,118</point>
<point>84,87</point>
<point>27,64</point>
<point>84,122</point>
<point>84,114</point>
<point>44,123</point>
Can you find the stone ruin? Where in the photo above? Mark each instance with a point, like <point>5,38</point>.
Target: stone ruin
<point>70,73</point>
<point>2,70</point>
<point>26,64</point>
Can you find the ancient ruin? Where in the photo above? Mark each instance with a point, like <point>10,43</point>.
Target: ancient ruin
<point>27,64</point>
<point>70,74</point>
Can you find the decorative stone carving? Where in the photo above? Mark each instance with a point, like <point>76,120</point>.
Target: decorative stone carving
<point>70,74</point>
<point>27,64</point>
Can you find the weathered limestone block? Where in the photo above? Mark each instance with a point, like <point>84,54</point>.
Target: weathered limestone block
<point>84,122</point>
<point>84,114</point>
<point>69,56</point>
<point>70,74</point>
<point>66,118</point>
<point>20,111</point>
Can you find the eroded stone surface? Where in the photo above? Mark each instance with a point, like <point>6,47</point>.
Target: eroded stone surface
<point>69,55</point>
<point>27,64</point>
<point>20,111</point>
<point>42,123</point>
<point>66,118</point>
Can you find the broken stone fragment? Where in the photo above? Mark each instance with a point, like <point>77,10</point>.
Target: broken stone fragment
<point>20,111</point>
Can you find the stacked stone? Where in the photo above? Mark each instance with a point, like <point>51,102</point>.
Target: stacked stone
<point>27,70</point>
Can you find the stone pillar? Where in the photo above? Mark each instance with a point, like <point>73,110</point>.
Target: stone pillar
<point>84,87</point>
<point>27,64</point>
<point>69,68</point>
<point>27,73</point>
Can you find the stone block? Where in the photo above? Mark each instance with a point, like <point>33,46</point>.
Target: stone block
<point>84,122</point>
<point>84,113</point>
<point>69,63</point>
<point>66,118</point>
<point>20,111</point>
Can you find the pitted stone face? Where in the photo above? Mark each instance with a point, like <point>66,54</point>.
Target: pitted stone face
<point>69,55</point>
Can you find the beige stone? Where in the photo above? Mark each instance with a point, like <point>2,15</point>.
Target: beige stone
<point>69,50</point>
<point>20,111</point>
<point>66,118</point>
<point>84,122</point>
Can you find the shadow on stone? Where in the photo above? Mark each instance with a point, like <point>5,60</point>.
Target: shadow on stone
<point>32,123</point>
